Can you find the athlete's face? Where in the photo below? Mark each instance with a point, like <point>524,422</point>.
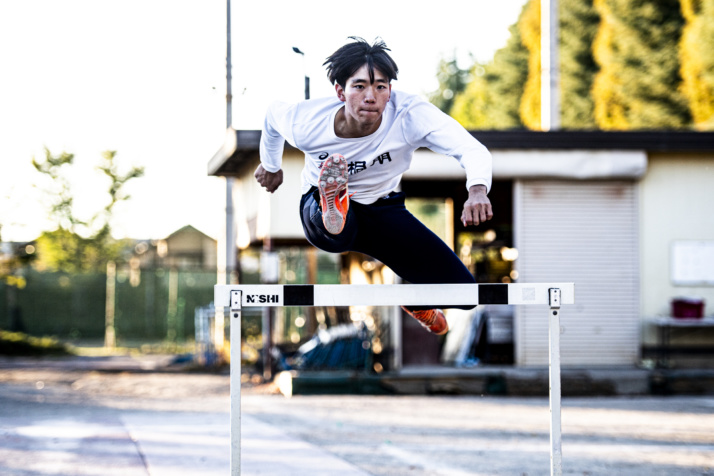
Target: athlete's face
<point>364,100</point>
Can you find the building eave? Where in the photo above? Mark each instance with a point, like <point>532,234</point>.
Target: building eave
<point>650,141</point>
<point>241,147</point>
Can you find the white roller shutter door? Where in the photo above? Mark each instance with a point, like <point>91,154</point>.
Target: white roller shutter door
<point>585,232</point>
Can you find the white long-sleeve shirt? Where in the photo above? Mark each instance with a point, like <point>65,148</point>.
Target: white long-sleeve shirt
<point>375,162</point>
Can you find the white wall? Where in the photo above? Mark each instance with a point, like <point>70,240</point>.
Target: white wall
<point>260,214</point>
<point>285,202</point>
<point>509,164</point>
<point>676,203</point>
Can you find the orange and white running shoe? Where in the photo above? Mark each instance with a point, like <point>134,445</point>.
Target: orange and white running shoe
<point>433,320</point>
<point>334,200</point>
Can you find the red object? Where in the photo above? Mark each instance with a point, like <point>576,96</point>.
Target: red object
<point>688,308</point>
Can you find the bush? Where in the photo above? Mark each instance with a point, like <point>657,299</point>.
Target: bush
<point>19,344</point>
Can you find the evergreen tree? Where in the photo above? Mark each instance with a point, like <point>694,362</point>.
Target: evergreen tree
<point>529,26</point>
<point>452,81</point>
<point>639,86</point>
<point>491,100</point>
<point>697,60</point>
<point>607,85</point>
<point>578,26</point>
<point>472,107</point>
<point>578,22</point>
<point>506,92</point>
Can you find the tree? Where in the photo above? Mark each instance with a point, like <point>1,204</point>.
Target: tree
<point>696,50</point>
<point>471,108</point>
<point>638,85</point>
<point>529,26</point>
<point>579,23</point>
<point>452,81</point>
<point>80,245</point>
<point>62,201</point>
<point>491,100</point>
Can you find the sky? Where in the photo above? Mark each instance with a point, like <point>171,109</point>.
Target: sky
<point>147,78</point>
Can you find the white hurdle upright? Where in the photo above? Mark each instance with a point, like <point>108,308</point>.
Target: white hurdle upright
<point>236,297</point>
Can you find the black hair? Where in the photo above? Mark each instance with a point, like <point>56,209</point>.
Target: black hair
<point>344,62</point>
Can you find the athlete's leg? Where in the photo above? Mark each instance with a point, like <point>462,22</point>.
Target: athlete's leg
<point>314,228</point>
<point>391,234</point>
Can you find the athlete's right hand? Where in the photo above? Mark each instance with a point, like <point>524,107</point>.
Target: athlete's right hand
<point>269,180</point>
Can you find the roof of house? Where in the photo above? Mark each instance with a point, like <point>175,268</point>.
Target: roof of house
<point>241,147</point>
<point>190,230</point>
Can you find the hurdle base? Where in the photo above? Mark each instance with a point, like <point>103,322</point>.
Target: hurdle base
<point>330,382</point>
<point>486,380</point>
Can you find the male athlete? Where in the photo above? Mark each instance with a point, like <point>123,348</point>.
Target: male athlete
<point>357,145</point>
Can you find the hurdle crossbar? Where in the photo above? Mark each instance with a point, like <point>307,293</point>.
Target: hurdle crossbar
<point>236,297</point>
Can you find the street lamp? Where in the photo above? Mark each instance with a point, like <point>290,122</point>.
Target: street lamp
<point>307,78</point>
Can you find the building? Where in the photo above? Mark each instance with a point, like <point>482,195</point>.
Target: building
<point>185,248</point>
<point>624,215</point>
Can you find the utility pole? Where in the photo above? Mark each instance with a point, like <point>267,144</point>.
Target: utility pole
<point>230,221</point>
<point>550,75</point>
<point>226,251</point>
<point>307,78</point>
<point>110,340</point>
<point>311,252</point>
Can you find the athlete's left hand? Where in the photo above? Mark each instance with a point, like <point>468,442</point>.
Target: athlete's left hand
<point>477,208</point>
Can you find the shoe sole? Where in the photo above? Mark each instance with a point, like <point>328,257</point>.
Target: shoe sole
<point>332,182</point>
<point>427,327</point>
<point>446,328</point>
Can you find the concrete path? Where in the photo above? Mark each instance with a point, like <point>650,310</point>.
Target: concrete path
<point>72,421</point>
<point>42,436</point>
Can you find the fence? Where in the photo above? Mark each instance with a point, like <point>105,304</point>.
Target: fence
<point>205,325</point>
<point>150,304</point>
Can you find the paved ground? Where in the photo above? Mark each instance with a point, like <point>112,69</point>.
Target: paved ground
<point>76,420</point>
<point>454,436</point>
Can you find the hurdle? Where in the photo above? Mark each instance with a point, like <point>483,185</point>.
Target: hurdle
<point>236,297</point>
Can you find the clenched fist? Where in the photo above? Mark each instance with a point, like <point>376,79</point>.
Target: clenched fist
<point>477,208</point>
<point>269,180</point>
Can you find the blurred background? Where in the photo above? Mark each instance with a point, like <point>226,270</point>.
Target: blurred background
<point>127,191</point>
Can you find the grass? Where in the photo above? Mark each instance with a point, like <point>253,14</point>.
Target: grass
<point>87,349</point>
<point>19,344</point>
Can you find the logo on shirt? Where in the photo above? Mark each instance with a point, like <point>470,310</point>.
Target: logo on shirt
<point>358,166</point>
